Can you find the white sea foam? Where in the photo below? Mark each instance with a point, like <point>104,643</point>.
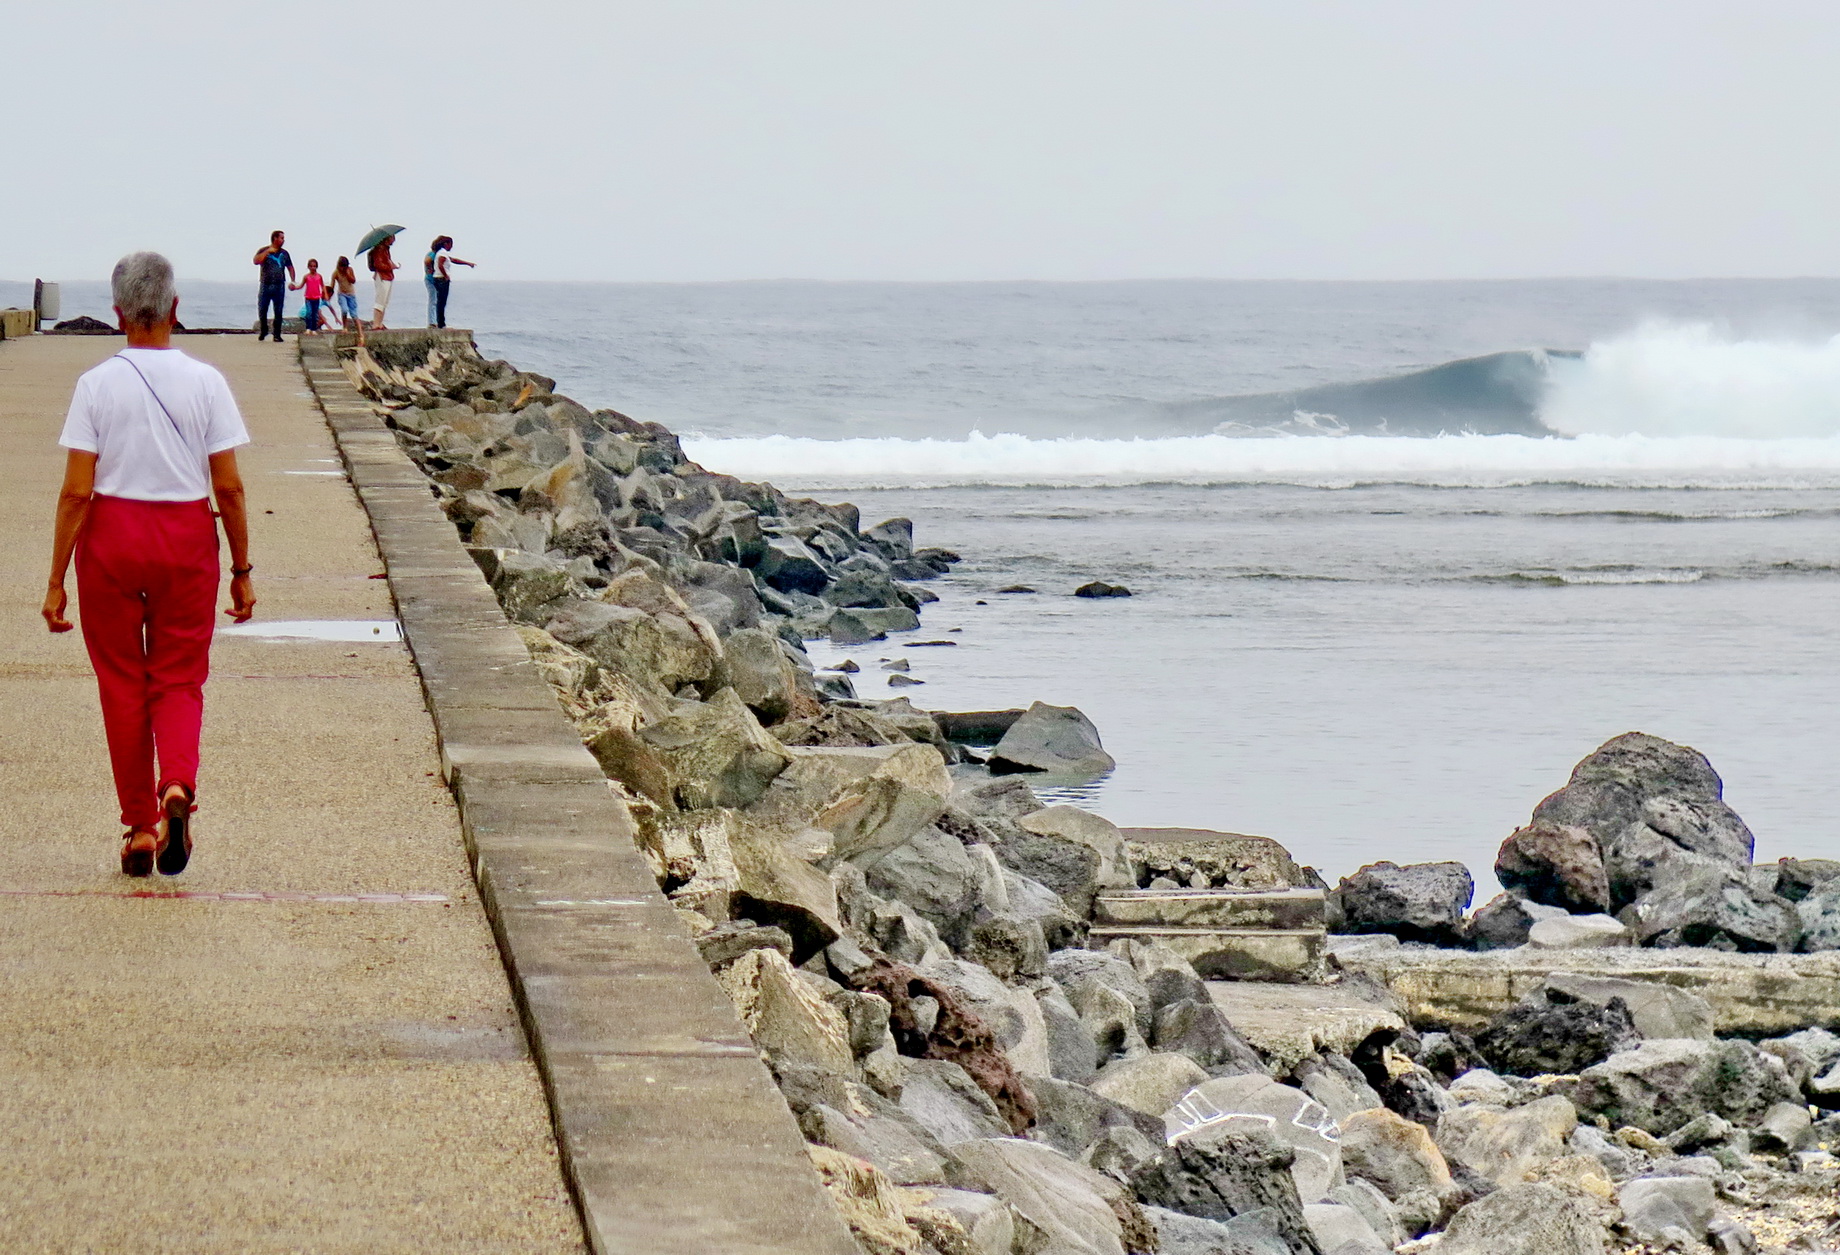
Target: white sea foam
<point>1687,380</point>
<point>1326,462</point>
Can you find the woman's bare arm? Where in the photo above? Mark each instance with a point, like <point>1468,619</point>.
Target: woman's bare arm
<point>227,488</point>
<point>72,510</point>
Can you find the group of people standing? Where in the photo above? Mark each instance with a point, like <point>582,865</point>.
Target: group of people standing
<point>336,296</point>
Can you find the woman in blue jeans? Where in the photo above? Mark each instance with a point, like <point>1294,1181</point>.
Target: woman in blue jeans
<point>434,273</point>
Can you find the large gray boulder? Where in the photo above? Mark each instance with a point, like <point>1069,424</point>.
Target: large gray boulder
<point>755,665</point>
<point>1655,1009</point>
<point>1396,1154</point>
<point>1337,1084</point>
<point>932,873</point>
<point>1668,1210</point>
<point>1342,1230</point>
<point>1415,902</point>
<point>1256,1101</point>
<point>1013,1015</point>
<point>985,1218</point>
<point>1701,903</point>
<point>1223,1173</point>
<point>1816,1048</point>
<point>1785,1127</point>
<point>1506,1145</point>
<point>1818,918</point>
<point>1532,1219</point>
<point>1078,827</point>
<point>1579,932</point>
<point>889,1143</point>
<point>1071,851</point>
<point>706,754</point>
<point>1660,1085</point>
<point>1056,739</point>
<point>1072,1117</point>
<point>941,1098</point>
<point>1796,878</point>
<point>1647,801</point>
<point>1073,1052</point>
<point>1197,1028</point>
<point>1375,1208</point>
<point>1151,1083</point>
<point>526,583</point>
<point>787,564</point>
<point>1063,1208</point>
<point>1506,921</point>
<point>1178,1234</point>
<point>1082,974</point>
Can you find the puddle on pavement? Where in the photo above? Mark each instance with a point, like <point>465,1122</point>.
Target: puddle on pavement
<point>422,1039</point>
<point>376,631</point>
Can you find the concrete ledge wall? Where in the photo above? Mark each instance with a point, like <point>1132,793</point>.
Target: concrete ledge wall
<point>673,1136</point>
<point>1761,995</point>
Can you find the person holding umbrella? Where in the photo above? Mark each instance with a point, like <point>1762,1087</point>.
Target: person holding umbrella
<point>376,244</point>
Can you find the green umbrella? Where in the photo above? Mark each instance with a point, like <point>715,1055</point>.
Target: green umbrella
<point>376,236</point>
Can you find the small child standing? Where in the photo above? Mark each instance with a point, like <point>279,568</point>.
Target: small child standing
<point>345,292</point>
<point>315,284</point>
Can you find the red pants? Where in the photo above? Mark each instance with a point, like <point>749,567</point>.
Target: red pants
<point>147,594</point>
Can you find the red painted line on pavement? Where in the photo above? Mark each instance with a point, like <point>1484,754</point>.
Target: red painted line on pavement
<point>229,896</point>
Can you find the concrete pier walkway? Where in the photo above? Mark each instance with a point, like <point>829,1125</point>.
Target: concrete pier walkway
<point>276,1061</point>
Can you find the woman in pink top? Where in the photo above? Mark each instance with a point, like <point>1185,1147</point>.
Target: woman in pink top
<point>151,435</point>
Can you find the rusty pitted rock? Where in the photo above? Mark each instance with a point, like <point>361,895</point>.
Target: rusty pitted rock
<point>958,1036</point>
<point>1555,865</point>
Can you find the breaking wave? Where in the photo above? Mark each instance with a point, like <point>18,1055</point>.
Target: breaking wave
<point>1466,461</point>
<point>1687,380</point>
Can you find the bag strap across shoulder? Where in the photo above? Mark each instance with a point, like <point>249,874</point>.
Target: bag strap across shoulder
<point>177,430</point>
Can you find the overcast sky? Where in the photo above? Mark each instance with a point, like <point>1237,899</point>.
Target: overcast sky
<point>1078,139</point>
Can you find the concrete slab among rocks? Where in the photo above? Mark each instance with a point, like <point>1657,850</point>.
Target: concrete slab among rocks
<point>1760,995</point>
<point>1289,1022</point>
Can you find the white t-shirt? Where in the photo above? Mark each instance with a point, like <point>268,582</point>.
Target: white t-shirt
<point>140,453</point>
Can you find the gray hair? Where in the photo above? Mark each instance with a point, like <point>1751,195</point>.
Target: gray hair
<point>143,288</point>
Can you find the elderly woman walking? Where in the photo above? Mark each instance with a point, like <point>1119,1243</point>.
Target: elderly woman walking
<point>151,433</point>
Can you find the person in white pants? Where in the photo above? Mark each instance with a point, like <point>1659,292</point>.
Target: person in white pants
<point>383,274</point>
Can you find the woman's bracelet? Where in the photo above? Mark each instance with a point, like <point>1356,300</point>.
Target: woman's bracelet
<point>242,570</point>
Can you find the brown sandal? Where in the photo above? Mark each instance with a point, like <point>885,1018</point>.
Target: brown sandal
<point>138,849</point>
<point>176,841</point>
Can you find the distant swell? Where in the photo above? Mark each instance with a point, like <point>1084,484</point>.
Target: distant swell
<point>1467,461</point>
<point>1595,576</point>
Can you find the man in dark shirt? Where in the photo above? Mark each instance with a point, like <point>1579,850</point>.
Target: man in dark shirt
<point>277,273</point>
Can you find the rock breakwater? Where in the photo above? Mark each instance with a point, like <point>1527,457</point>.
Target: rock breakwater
<point>904,927</point>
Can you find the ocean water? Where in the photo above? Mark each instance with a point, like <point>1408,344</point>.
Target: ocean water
<point>1364,646</point>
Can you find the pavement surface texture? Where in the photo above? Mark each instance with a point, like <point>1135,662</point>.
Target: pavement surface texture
<point>275,1064</point>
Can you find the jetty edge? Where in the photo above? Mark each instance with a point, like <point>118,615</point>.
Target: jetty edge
<point>671,1134</point>
<point>997,1022</point>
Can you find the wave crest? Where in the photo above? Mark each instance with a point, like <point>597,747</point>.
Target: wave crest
<point>1467,461</point>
